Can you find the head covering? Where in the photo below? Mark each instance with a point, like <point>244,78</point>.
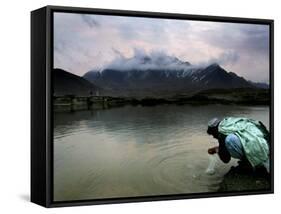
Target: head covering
<point>213,123</point>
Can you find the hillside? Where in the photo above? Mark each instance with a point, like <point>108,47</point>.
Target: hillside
<point>66,83</point>
<point>163,76</point>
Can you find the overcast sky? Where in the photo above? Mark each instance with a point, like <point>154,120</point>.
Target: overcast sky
<point>86,42</point>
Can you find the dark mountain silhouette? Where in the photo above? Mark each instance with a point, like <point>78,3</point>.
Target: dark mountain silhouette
<point>162,76</point>
<point>66,83</point>
<point>260,85</point>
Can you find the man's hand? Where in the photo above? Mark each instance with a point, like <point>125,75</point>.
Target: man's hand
<point>213,150</point>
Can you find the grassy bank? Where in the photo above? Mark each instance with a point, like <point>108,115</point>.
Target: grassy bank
<point>245,96</point>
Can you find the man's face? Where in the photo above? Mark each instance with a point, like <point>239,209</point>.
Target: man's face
<point>215,135</point>
<point>213,132</point>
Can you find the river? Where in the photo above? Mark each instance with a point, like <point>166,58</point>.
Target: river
<point>139,151</point>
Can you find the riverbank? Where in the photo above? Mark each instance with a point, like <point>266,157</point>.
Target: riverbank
<point>213,96</point>
<point>241,178</point>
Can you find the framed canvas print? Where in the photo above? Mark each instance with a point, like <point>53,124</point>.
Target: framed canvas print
<point>139,106</point>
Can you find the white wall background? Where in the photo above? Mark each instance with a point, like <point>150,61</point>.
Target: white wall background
<point>15,105</point>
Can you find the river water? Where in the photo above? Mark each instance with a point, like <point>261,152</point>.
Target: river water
<point>139,151</point>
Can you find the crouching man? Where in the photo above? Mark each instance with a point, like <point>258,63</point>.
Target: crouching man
<point>241,138</point>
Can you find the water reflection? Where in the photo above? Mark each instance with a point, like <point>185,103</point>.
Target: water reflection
<point>136,151</point>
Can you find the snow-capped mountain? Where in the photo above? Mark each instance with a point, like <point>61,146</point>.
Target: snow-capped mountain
<point>162,74</point>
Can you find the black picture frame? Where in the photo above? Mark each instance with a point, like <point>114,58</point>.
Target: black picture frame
<point>41,104</point>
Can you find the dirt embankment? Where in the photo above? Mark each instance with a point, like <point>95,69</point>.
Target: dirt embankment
<point>243,178</point>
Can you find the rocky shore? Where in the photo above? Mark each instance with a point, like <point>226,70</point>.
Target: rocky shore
<point>242,178</point>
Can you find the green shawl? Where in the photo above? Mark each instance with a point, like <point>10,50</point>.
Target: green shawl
<point>252,135</point>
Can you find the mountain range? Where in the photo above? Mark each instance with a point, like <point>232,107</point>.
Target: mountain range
<point>149,76</point>
<point>66,83</point>
<point>163,76</point>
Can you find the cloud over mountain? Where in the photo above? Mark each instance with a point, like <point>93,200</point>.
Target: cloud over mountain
<point>83,42</point>
<point>142,60</point>
<point>159,74</point>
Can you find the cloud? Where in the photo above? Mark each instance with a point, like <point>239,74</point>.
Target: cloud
<point>142,60</point>
<point>90,21</point>
<point>226,58</point>
<point>160,60</point>
<point>242,37</point>
<point>117,53</point>
<point>85,42</point>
